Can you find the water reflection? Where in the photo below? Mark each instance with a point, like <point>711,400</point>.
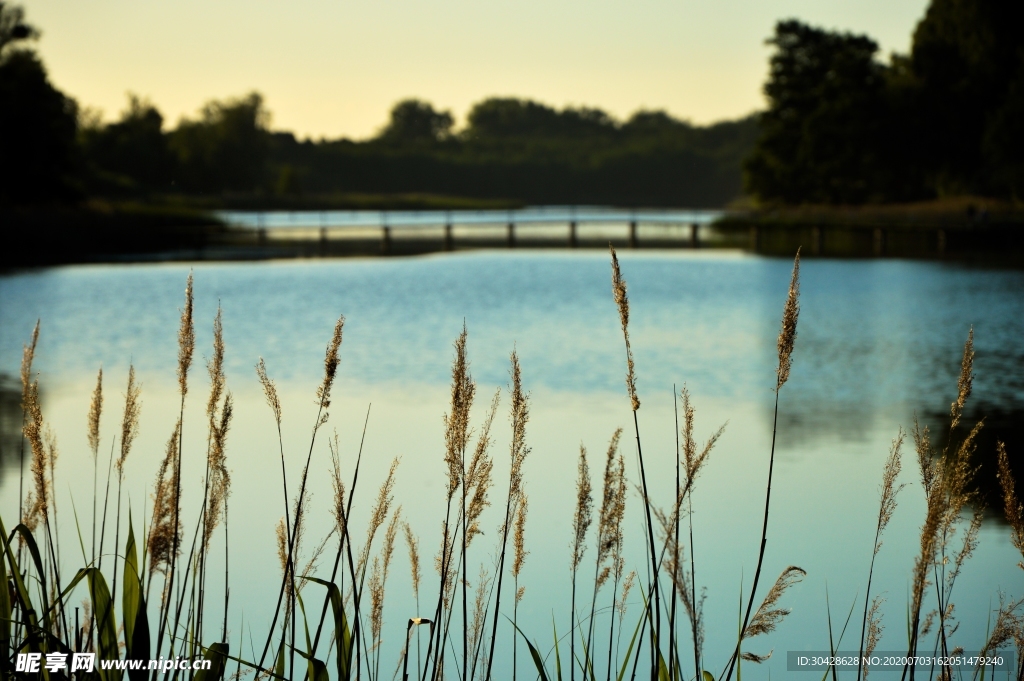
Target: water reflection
<point>10,425</point>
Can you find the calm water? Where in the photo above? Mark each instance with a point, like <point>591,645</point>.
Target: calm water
<point>878,341</point>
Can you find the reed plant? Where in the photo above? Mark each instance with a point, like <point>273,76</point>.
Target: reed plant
<point>466,615</point>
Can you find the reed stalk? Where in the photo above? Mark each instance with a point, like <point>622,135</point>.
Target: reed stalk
<point>886,508</point>
<point>786,342</point>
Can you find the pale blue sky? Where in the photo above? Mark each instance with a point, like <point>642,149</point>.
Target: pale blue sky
<point>334,68</point>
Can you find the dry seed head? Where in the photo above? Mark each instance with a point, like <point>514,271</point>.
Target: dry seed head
<point>520,414</point>
<point>755,658</point>
<point>875,628</point>
<point>282,545</point>
<point>376,600</point>
<point>331,361</point>
<point>270,391</point>
<point>787,335</point>
<point>520,592</point>
<point>28,354</point>
<point>33,431</point>
<point>95,409</point>
<point>519,535</point>
<point>414,559</point>
<point>622,303</point>
<point>768,616</point>
<point>457,420</point>
<point>1012,508</point>
<point>626,587</point>
<point>130,422</point>
<point>162,535</point>
<point>584,505</point>
<point>966,380</point>
<point>380,511</point>
<point>893,465</point>
<point>186,339</point>
<point>926,464</point>
<point>389,540</point>
<point>612,505</point>
<point>338,485</point>
<point>215,367</point>
<point>478,477</point>
<point>220,477</point>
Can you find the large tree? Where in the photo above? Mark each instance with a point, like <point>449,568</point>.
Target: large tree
<point>826,111</point>
<point>37,122</point>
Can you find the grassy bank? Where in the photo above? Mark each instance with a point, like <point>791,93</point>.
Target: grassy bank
<point>970,227</point>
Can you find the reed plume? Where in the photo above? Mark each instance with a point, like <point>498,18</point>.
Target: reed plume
<point>1012,508</point>
<point>622,303</point>
<point>331,361</point>
<point>38,502</point>
<point>786,343</point>
<point>163,529</point>
<point>582,517</point>
<point>413,545</point>
<point>478,475</point>
<point>874,632</point>
<point>186,339</point>
<point>946,480</point>
<point>269,391</point>
<point>457,420</point>
<point>787,334</point>
<point>130,421</point>
<point>886,508</point>
<point>519,415</point>
<point>95,410</point>
<point>519,537</point>
<point>220,476</point>
<point>768,616</point>
<point>379,513</point>
<point>28,396</point>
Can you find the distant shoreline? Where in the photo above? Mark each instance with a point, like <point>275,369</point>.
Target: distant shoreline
<point>123,232</point>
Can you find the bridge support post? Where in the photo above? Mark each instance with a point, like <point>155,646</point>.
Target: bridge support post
<point>511,235</point>
<point>632,234</point>
<point>385,240</point>
<point>694,243</point>
<point>449,241</point>
<point>878,242</point>
<point>572,234</point>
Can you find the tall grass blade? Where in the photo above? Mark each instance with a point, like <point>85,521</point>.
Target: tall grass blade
<point>217,654</point>
<point>5,617</point>
<point>140,643</point>
<point>132,589</point>
<point>538,661</point>
<point>107,647</point>
<point>629,650</point>
<point>342,635</point>
<point>37,560</point>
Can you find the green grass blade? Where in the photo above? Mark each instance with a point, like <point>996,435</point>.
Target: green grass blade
<point>629,650</point>
<point>140,641</point>
<point>132,588</point>
<point>107,648</point>
<point>538,661</point>
<point>341,631</point>
<point>33,549</point>
<point>558,657</point>
<point>217,654</point>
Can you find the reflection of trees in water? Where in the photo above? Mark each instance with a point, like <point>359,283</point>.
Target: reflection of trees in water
<point>816,424</point>
<point>10,424</point>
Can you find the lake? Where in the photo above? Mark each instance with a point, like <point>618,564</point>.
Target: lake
<point>879,341</point>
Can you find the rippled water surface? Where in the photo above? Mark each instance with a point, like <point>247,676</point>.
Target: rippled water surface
<point>878,342</point>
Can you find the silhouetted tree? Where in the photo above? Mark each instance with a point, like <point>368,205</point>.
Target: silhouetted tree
<point>968,59</point>
<point>505,117</point>
<point>135,146</point>
<point>37,122</point>
<point>826,112</point>
<point>226,149</point>
<point>415,121</point>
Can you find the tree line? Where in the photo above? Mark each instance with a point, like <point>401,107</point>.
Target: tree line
<point>841,126</point>
<point>945,119</point>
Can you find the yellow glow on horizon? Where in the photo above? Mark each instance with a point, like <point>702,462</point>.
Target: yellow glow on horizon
<point>329,68</point>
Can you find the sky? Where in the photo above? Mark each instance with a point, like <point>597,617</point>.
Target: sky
<point>334,68</point>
